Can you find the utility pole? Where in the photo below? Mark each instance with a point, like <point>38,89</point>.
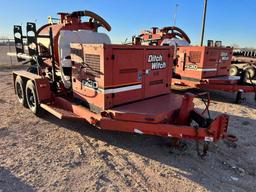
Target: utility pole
<point>175,15</point>
<point>203,23</point>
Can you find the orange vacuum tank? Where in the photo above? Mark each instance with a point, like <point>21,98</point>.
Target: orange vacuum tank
<point>67,23</point>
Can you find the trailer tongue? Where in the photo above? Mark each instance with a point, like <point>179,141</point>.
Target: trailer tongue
<point>113,87</point>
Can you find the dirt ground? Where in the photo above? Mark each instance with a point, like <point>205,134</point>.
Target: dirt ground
<point>46,154</point>
<point>6,60</point>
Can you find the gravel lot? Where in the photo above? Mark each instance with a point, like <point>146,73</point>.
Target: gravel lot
<point>6,60</point>
<point>46,154</point>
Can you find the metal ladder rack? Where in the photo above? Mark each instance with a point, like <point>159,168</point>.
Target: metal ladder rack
<point>31,38</point>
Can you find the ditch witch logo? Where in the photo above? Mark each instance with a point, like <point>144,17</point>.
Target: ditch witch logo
<point>156,62</point>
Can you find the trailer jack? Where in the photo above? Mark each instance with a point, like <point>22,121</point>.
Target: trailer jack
<point>239,97</point>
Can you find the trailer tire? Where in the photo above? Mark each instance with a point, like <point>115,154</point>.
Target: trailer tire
<point>32,99</point>
<point>233,71</point>
<point>20,91</point>
<point>250,72</point>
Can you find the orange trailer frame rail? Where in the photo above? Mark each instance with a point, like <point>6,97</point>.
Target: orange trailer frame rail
<point>170,115</point>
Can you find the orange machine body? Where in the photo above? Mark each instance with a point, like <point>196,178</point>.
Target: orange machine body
<point>110,75</point>
<point>197,63</point>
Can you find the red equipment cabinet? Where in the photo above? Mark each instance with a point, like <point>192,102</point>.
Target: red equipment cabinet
<point>196,63</point>
<point>208,68</point>
<point>109,75</point>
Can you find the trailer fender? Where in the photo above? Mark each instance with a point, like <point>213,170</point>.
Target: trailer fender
<point>43,89</point>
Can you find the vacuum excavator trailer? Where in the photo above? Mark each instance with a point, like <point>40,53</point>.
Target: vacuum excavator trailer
<point>203,67</point>
<point>76,73</point>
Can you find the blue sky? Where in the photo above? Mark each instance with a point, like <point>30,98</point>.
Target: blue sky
<point>232,21</point>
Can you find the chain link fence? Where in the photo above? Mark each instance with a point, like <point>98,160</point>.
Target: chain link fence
<point>7,45</point>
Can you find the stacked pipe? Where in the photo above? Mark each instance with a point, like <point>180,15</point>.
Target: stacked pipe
<point>245,52</point>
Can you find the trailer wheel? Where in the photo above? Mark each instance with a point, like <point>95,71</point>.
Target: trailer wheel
<point>32,99</point>
<point>233,71</point>
<point>250,72</point>
<point>20,91</point>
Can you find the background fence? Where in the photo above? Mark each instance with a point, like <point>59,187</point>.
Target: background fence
<point>7,45</point>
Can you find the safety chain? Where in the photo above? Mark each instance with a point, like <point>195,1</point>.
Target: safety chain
<point>205,147</point>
